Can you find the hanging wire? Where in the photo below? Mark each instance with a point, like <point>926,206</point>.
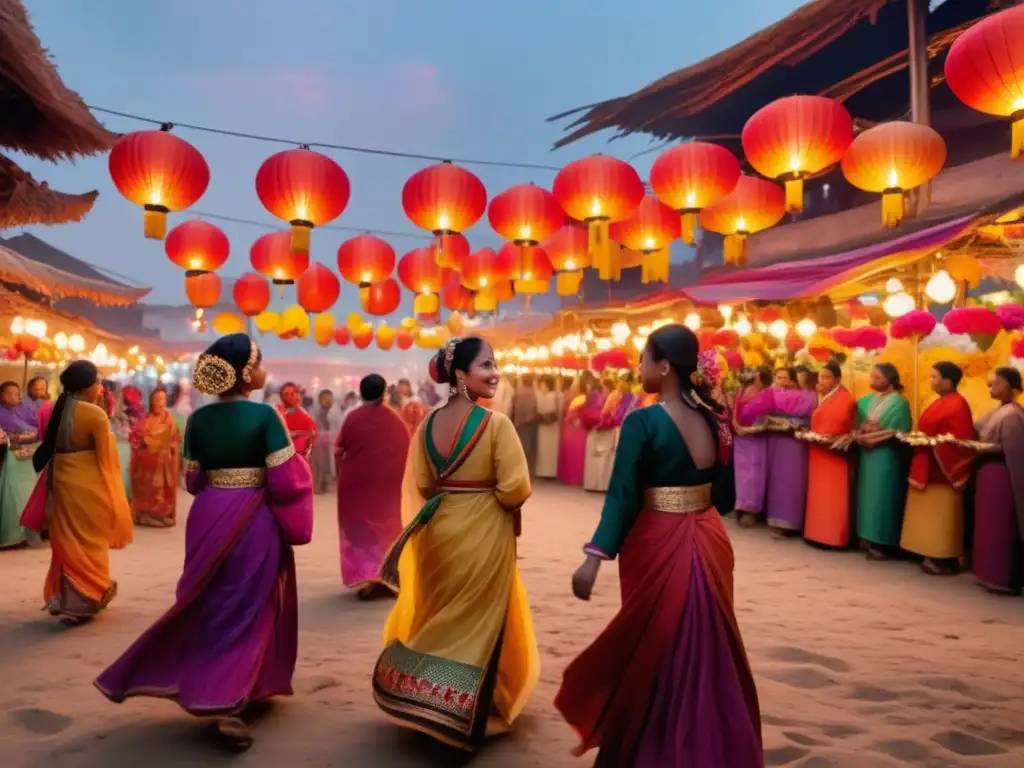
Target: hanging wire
<point>335,227</point>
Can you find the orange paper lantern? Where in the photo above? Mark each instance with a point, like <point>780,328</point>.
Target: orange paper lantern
<point>567,251</point>
<point>403,338</point>
<point>650,230</point>
<point>454,295</point>
<point>160,172</point>
<point>252,294</point>
<point>753,205</point>
<point>304,188</point>
<point>272,256</point>
<point>525,214</point>
<point>444,199</point>
<point>381,298</point>
<point>692,176</point>
<point>363,337</point>
<point>420,273</point>
<point>317,288</point>
<point>482,270</point>
<point>985,70</point>
<point>197,246</point>
<point>203,290</point>
<point>528,266</point>
<point>892,158</point>
<point>385,336</point>
<point>795,137</point>
<point>598,190</point>
<point>450,251</point>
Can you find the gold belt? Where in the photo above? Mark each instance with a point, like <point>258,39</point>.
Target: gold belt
<point>680,499</point>
<point>243,477</point>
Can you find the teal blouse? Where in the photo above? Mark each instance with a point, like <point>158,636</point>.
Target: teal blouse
<point>236,434</point>
<point>652,454</point>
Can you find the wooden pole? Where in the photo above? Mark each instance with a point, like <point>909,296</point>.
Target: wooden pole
<point>920,111</point>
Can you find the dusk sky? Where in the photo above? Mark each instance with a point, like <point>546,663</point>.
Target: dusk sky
<point>447,78</point>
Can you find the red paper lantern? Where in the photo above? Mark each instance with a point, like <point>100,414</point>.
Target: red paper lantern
<point>381,298</point>
<point>304,188</point>
<point>454,295</point>
<point>12,354</point>
<point>753,205</point>
<point>598,190</point>
<point>795,137</point>
<point>252,294</point>
<point>203,290</point>
<point>160,172</point>
<point>985,70</point>
<point>529,267</point>
<point>197,246</point>
<point>342,335</point>
<point>525,214</point>
<point>567,250</point>
<point>365,259</point>
<point>363,337</point>
<point>892,158</point>
<point>272,256</point>
<point>650,230</point>
<point>317,288</point>
<point>26,344</point>
<point>691,177</point>
<point>419,272</point>
<point>444,199</point>
<point>450,251</point>
<point>403,338</point>
<point>482,270</point>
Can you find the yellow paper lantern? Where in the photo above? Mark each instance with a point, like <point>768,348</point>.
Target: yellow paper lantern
<point>455,323</point>
<point>385,336</point>
<point>354,321</point>
<point>294,323</point>
<point>266,322</point>
<point>323,328</point>
<point>228,322</point>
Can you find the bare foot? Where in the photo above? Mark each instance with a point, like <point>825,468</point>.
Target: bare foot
<point>748,520</point>
<point>234,733</point>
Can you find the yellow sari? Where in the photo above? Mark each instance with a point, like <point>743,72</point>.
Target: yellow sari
<point>460,656</point>
<point>87,513</point>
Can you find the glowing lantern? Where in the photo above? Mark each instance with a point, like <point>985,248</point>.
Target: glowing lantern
<point>454,295</point>
<point>985,71</point>
<point>197,246</point>
<point>317,289</point>
<point>385,336</point>
<point>354,321</point>
<point>650,230</point>
<point>940,288</point>
<point>293,323</point>
<point>365,260</point>
<point>272,256</point>
<point>530,268</point>
<point>598,190</point>
<point>203,290</point>
<point>455,323</point>
<point>323,328</point>
<point>892,158</point>
<point>304,188</point>
<point>445,199</point>
<point>482,270</point>
<point>265,322</point>
<point>160,172</point>
<point>567,251</point>
<point>342,335</point>
<point>795,137</point>
<point>691,177</point>
<point>363,336</point>
<point>754,204</point>
<point>226,323</point>
<point>525,215</point>
<point>381,298</point>
<point>420,273</point>
<point>251,294</point>
<point>404,338</point>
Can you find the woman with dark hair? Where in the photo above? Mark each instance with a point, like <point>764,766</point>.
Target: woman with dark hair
<point>998,557</point>
<point>882,465</point>
<point>231,637</point>
<point>460,657</point>
<point>750,450</point>
<point>933,519</point>
<point>827,521</point>
<point>301,426</point>
<point>80,498</point>
<point>155,464</point>
<point>667,683</point>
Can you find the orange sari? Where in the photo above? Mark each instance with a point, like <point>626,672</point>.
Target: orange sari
<point>155,464</point>
<point>827,519</point>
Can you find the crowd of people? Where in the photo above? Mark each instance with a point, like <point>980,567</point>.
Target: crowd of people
<point>429,500</point>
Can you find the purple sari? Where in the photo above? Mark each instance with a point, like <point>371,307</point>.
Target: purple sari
<point>750,460</point>
<point>231,637</point>
<point>786,464</point>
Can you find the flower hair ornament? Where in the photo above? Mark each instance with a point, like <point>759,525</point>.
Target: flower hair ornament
<point>449,355</point>
<point>213,375</point>
<point>250,364</point>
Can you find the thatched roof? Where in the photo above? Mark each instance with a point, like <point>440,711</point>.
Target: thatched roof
<point>39,115</point>
<point>852,50</point>
<point>55,283</point>
<point>25,201</point>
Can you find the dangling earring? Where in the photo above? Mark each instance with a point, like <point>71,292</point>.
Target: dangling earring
<point>464,390</point>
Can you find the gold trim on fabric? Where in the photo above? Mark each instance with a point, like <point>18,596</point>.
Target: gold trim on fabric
<point>921,440</point>
<point>835,442</point>
<point>277,458</point>
<point>190,465</point>
<point>250,364</point>
<point>680,499</point>
<point>243,477</point>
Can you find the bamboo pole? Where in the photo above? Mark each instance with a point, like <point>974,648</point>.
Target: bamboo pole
<point>917,52</point>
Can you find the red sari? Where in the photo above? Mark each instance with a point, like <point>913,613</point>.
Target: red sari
<point>301,427</point>
<point>154,469</point>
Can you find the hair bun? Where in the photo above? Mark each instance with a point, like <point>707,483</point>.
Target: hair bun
<point>436,369</point>
<point>213,375</point>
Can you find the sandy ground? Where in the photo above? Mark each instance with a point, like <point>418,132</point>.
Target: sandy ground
<point>857,663</point>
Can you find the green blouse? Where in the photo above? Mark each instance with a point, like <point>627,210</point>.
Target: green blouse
<point>234,434</point>
<point>650,454</point>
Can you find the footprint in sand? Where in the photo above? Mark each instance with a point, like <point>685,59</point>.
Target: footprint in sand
<point>873,694</point>
<point>842,730</point>
<point>807,678</point>
<point>965,744</point>
<point>906,750</point>
<point>803,739</point>
<point>800,656</point>
<point>41,722</point>
<point>784,755</point>
<point>957,685</point>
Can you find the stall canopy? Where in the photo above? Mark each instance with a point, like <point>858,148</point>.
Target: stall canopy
<point>54,283</point>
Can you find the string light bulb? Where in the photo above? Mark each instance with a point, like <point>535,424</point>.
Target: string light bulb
<point>940,288</point>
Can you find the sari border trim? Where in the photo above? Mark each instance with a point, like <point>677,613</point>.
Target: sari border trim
<point>279,457</point>
<point>191,465</point>
<point>173,693</point>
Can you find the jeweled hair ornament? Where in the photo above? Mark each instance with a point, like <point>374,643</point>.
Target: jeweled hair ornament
<point>250,365</point>
<point>449,355</point>
<point>213,375</point>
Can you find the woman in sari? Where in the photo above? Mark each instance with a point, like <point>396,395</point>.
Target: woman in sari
<point>322,459</point>
<point>572,447</point>
<point>460,657</point>
<point>548,415</point>
<point>667,683</point>
<point>750,453</point>
<point>231,637</point>
<point>882,464</point>
<point>933,520</point>
<point>827,521</point>
<point>601,439</point>
<point>80,498</point>
<point>155,464</point>
<point>998,560</point>
<point>301,426</point>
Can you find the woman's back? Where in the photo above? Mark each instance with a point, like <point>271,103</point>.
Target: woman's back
<point>230,434</point>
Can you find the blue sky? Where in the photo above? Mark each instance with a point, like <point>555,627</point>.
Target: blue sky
<point>448,78</point>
